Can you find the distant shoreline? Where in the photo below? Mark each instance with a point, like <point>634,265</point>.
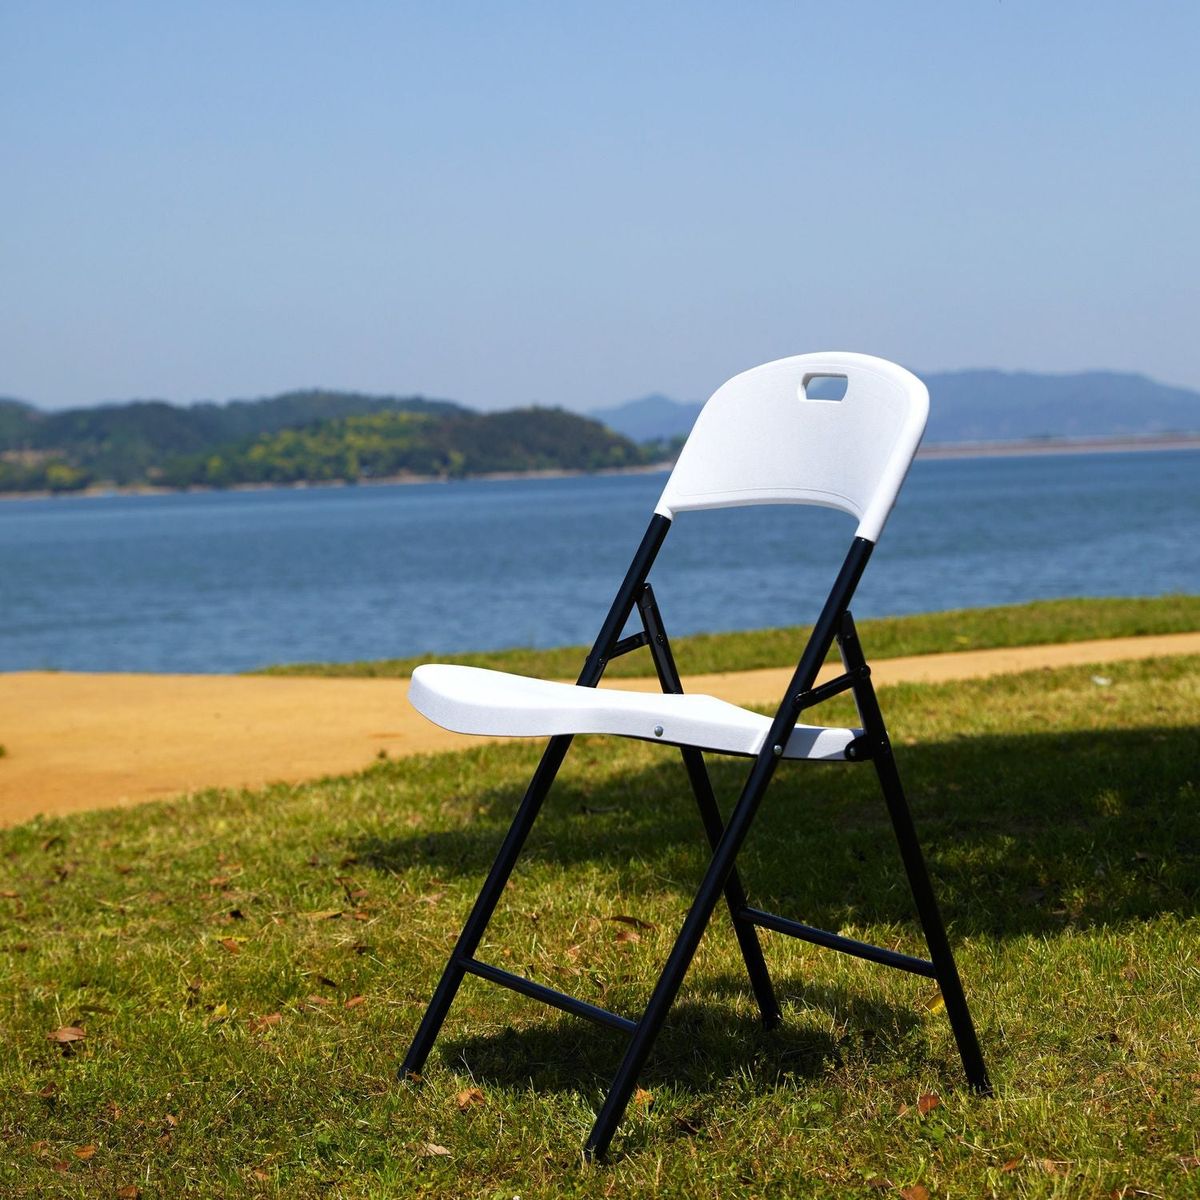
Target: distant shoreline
<point>1033,447</point>
<point>1029,448</point>
<point>100,490</point>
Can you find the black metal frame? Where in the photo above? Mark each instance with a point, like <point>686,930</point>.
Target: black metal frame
<point>725,839</point>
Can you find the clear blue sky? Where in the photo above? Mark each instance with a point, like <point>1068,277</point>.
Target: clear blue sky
<point>577,204</point>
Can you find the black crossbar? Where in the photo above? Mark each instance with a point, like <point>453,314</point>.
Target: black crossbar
<point>625,645</point>
<point>835,941</point>
<point>835,687</point>
<point>579,1008</point>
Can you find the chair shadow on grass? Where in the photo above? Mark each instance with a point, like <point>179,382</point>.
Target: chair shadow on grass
<point>1024,834</point>
<point>702,1044</point>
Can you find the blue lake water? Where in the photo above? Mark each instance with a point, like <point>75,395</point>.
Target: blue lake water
<point>230,581</point>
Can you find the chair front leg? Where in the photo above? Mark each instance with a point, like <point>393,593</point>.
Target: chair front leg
<point>680,958</point>
<point>485,906</point>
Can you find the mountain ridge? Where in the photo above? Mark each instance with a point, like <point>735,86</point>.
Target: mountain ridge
<point>988,405</point>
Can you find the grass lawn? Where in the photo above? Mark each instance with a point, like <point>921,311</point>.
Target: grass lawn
<point>1037,623</point>
<point>247,969</point>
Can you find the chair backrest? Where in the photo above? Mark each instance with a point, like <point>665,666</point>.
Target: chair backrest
<point>760,439</point>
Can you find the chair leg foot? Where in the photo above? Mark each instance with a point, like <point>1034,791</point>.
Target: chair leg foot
<point>431,1023</point>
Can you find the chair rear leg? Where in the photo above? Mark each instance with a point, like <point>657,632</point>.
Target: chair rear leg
<point>489,896</point>
<point>735,894</point>
<point>710,814</point>
<point>914,861</point>
<point>940,953</point>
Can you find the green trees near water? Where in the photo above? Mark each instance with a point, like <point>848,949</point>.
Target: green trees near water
<point>383,445</point>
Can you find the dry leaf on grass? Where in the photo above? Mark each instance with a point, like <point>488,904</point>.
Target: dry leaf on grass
<point>433,1150</point>
<point>918,1191</point>
<point>66,1035</point>
<point>643,1098</point>
<point>258,1024</point>
<point>83,1153</point>
<point>468,1097</point>
<point>627,935</point>
<point>1011,1165</point>
<point>1053,1166</point>
<point>130,1192</point>
<point>355,1001</point>
<point>233,945</point>
<point>927,1102</point>
<point>324,914</point>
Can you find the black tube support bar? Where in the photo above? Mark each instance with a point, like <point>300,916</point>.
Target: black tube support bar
<point>571,1004</point>
<point>835,941</point>
<point>835,687</point>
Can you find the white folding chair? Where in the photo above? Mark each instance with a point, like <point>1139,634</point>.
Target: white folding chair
<point>760,439</point>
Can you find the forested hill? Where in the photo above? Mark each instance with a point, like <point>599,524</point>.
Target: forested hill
<point>389,444</point>
<point>299,436</point>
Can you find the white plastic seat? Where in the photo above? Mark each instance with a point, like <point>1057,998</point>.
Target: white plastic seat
<point>495,703</point>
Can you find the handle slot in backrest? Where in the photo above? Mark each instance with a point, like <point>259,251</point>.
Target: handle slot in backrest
<point>818,386</point>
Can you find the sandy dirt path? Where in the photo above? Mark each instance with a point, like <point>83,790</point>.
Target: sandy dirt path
<point>76,741</point>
